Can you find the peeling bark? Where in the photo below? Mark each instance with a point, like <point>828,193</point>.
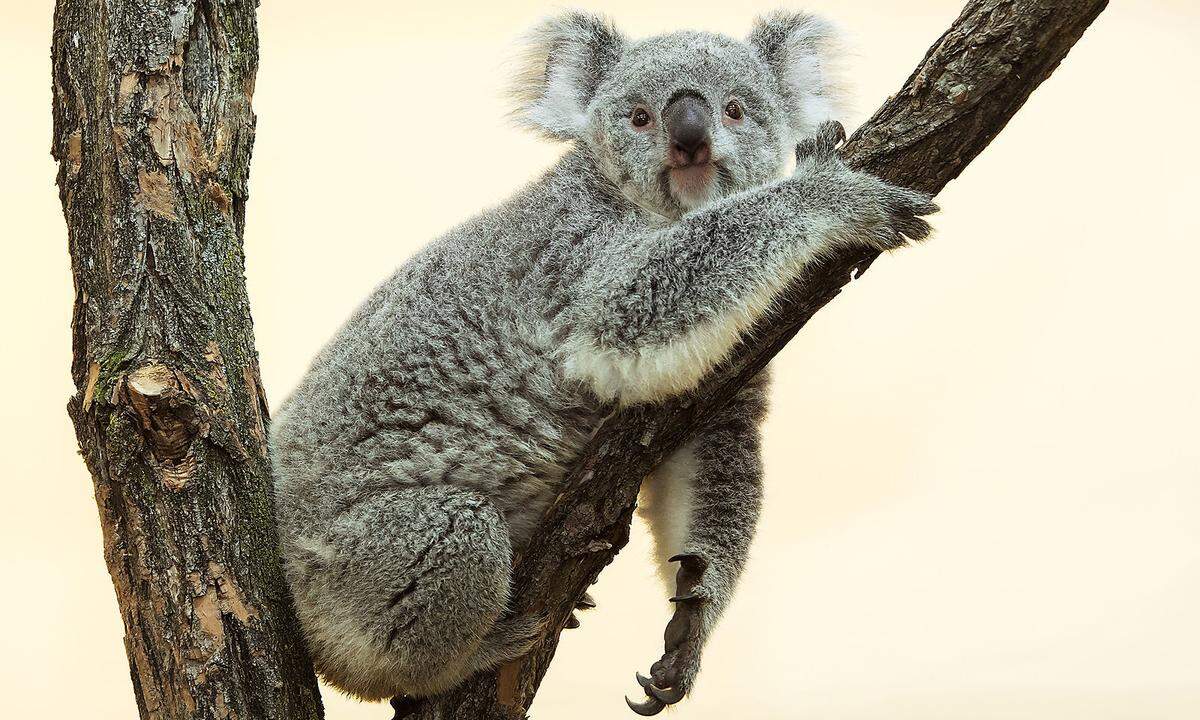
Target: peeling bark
<point>971,82</point>
<point>153,132</point>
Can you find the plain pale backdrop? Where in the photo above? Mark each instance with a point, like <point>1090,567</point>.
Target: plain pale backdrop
<point>983,492</point>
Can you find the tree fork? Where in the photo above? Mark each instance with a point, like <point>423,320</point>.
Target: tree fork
<point>153,132</point>
<point>969,85</point>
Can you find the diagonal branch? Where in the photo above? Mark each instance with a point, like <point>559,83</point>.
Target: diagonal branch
<point>969,85</point>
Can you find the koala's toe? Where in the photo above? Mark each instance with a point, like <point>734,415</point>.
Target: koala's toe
<point>831,134</point>
<point>907,207</point>
<point>823,144</point>
<point>805,149</point>
<point>919,203</point>
<point>914,228</point>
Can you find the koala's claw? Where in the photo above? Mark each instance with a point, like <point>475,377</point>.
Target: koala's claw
<point>651,706</point>
<point>692,561</point>
<point>584,603</point>
<point>831,134</point>
<point>669,696</point>
<point>823,144</point>
<point>906,208</point>
<point>671,681</point>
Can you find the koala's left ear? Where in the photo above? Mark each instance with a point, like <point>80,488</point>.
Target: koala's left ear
<point>564,61</point>
<point>802,50</point>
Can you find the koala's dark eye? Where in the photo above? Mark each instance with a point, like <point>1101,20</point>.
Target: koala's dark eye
<point>733,110</point>
<point>639,117</point>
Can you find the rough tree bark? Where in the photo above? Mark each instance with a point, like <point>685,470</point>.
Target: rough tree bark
<point>970,84</point>
<point>153,132</point>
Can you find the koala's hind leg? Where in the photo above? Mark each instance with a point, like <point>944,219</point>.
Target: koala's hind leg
<point>405,592</point>
<point>703,504</point>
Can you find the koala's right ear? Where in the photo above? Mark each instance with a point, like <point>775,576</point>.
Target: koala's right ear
<point>802,50</point>
<point>564,60</point>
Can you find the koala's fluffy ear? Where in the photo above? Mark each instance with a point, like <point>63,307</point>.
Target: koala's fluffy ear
<point>564,60</point>
<point>802,50</point>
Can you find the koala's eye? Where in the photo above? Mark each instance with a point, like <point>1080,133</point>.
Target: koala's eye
<point>639,117</point>
<point>733,110</point>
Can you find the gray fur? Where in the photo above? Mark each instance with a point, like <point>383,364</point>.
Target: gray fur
<point>420,450</point>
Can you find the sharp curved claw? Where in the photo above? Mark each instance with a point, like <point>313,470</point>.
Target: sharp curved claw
<point>669,696</point>
<point>572,622</point>
<point>642,680</point>
<point>689,597</point>
<point>652,706</point>
<point>840,132</point>
<point>585,603</point>
<point>691,561</point>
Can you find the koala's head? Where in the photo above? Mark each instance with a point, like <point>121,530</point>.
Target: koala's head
<point>678,120</point>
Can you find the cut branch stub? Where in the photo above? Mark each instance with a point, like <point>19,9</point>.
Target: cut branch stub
<point>171,418</point>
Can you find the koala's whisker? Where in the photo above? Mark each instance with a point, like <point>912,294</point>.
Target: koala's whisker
<point>725,175</point>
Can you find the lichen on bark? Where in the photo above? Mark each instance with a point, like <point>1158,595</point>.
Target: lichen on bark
<point>153,131</point>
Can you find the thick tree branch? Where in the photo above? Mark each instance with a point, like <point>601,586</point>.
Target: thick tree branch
<point>971,82</point>
<point>153,131</point>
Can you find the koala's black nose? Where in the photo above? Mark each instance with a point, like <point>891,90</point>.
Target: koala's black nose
<point>687,121</point>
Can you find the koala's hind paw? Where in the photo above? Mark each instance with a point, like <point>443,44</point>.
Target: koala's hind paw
<point>823,145</point>
<point>671,678</point>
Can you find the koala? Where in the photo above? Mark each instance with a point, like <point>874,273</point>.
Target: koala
<point>417,456</point>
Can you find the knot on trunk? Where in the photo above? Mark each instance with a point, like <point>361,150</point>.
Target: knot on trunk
<point>171,418</point>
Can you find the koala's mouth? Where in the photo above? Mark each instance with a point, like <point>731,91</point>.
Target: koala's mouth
<point>691,179</point>
<point>695,183</point>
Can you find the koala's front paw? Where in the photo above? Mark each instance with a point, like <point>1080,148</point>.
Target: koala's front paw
<point>671,678</point>
<point>870,211</point>
<point>892,215</point>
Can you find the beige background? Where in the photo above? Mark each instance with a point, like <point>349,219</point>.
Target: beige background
<point>984,477</point>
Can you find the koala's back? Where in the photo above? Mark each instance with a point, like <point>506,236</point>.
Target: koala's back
<point>448,375</point>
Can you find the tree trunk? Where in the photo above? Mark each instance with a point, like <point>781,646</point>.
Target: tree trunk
<point>153,133</point>
<point>971,82</point>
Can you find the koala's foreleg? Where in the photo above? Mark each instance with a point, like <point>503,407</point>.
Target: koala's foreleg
<point>670,306</point>
<point>703,505</point>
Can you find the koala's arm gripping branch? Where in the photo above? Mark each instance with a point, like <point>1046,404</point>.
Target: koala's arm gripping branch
<point>663,323</point>
<point>970,83</point>
<point>674,307</point>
